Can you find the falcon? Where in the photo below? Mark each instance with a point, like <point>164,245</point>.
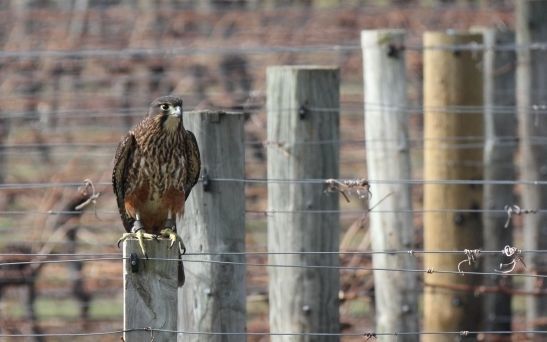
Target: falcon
<point>156,165</point>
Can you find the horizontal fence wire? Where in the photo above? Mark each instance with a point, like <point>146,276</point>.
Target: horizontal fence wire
<point>252,50</point>
<point>247,264</point>
<point>78,113</point>
<point>387,181</point>
<point>454,142</point>
<point>47,185</point>
<point>254,253</point>
<point>294,212</point>
<point>92,157</point>
<point>367,334</point>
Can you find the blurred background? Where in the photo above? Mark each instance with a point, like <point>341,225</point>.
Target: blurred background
<point>76,75</point>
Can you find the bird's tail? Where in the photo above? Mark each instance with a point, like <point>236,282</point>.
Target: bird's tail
<point>181,276</point>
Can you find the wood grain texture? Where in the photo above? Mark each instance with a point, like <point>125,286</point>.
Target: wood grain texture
<point>388,158</point>
<point>150,295</point>
<point>451,78</point>
<point>213,298</point>
<point>298,102</point>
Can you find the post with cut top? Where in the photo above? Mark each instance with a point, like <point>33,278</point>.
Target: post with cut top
<point>388,158</point>
<point>303,149</point>
<point>150,291</point>
<point>213,229</point>
<point>453,139</point>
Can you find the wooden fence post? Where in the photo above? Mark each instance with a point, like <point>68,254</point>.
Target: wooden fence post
<point>213,298</point>
<point>150,293</point>
<point>303,134</point>
<point>452,78</point>
<point>388,158</point>
<point>531,27</point>
<point>499,86</point>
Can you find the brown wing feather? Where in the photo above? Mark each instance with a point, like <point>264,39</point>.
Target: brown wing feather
<point>193,162</point>
<point>122,163</point>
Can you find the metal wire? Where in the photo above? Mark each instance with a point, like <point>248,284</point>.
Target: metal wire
<point>266,213</point>
<point>254,253</point>
<point>454,142</point>
<point>387,181</point>
<point>79,113</point>
<point>37,262</point>
<point>250,50</point>
<point>246,264</point>
<point>172,51</point>
<point>47,185</point>
<point>366,334</point>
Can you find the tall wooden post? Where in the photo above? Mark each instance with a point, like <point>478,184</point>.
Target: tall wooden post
<point>499,85</point>
<point>150,291</point>
<point>388,158</point>
<point>303,132</point>
<point>531,27</point>
<point>452,78</point>
<point>213,298</point>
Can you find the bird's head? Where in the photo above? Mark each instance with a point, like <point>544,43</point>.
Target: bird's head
<point>169,110</point>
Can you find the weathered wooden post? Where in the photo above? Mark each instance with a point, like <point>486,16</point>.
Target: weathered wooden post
<point>150,291</point>
<point>388,158</point>
<point>531,27</point>
<point>213,298</point>
<point>452,80</point>
<point>499,85</point>
<point>303,134</point>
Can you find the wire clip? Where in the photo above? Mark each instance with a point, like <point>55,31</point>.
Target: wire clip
<point>369,336</point>
<point>134,262</point>
<point>515,209</point>
<point>472,256</point>
<point>205,180</point>
<point>516,257</point>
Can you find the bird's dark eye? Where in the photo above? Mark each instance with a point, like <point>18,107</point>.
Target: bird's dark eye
<point>164,106</point>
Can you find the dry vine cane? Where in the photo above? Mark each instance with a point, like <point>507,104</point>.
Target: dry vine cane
<point>88,185</point>
<point>278,144</point>
<point>347,187</point>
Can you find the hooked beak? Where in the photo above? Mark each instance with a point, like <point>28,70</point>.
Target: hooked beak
<point>176,111</point>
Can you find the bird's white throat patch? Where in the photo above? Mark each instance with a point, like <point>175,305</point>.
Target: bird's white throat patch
<point>172,122</point>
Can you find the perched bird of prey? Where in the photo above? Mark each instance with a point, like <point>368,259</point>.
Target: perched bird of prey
<point>156,165</point>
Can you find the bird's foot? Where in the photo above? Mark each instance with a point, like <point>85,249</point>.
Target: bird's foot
<point>140,235</point>
<point>172,235</point>
<point>171,223</point>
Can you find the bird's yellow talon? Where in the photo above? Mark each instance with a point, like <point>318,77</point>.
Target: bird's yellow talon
<point>170,234</point>
<point>140,235</point>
